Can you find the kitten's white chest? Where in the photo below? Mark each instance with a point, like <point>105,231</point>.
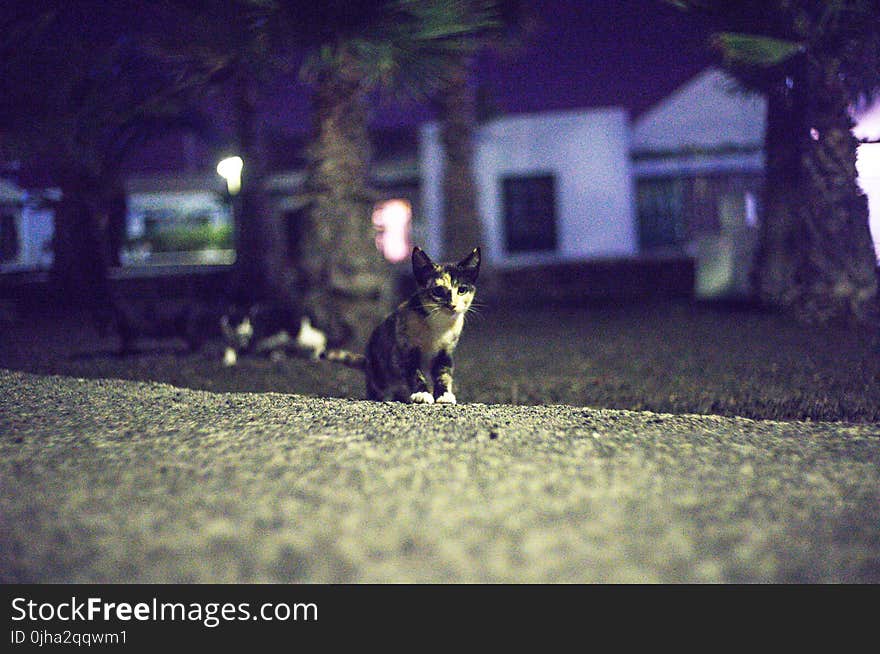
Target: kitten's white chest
<point>443,332</point>
<point>431,334</point>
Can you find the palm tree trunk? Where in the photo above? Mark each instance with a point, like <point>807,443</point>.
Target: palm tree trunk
<point>345,279</point>
<point>79,269</point>
<point>816,259</point>
<point>775,269</point>
<point>458,125</point>
<point>114,212</point>
<point>258,241</point>
<point>837,271</point>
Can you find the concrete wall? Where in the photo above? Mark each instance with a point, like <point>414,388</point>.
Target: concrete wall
<point>586,151</point>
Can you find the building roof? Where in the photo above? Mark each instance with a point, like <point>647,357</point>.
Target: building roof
<point>707,113</point>
<point>9,192</point>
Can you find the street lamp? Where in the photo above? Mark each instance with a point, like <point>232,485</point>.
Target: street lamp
<point>230,170</point>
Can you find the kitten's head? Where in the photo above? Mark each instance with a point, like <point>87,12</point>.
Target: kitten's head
<point>448,287</point>
<point>237,327</point>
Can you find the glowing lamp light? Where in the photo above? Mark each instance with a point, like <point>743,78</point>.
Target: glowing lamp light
<point>868,165</point>
<point>392,220</point>
<point>230,170</point>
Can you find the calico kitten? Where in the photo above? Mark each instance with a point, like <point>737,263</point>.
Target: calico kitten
<point>266,330</point>
<point>417,340</point>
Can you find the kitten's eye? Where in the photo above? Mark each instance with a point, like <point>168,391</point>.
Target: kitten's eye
<point>464,288</point>
<point>438,292</point>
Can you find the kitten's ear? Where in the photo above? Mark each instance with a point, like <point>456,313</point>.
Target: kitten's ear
<point>423,267</point>
<point>470,265</point>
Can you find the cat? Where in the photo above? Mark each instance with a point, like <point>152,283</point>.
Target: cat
<point>266,330</point>
<point>417,340</point>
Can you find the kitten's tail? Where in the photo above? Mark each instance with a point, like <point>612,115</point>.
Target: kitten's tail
<point>346,358</point>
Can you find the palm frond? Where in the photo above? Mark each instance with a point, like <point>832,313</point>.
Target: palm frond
<point>407,45</point>
<point>756,50</point>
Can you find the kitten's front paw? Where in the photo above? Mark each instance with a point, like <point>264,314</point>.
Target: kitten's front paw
<point>422,397</point>
<point>447,398</point>
<point>229,357</point>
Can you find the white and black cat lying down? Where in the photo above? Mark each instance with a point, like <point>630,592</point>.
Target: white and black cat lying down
<point>271,331</point>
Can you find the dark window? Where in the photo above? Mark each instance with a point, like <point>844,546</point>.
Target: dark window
<point>529,213</point>
<point>675,210</point>
<point>661,212</point>
<point>8,238</point>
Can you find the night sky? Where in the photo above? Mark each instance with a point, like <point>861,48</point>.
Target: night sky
<point>599,53</point>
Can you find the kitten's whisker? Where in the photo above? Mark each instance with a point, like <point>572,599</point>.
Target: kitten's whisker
<point>472,311</point>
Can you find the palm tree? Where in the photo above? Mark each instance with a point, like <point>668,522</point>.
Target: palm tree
<point>813,60</point>
<point>408,45</point>
<point>351,50</point>
<point>458,109</point>
<point>230,46</point>
<point>77,98</point>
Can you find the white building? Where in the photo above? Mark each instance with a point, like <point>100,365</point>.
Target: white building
<point>698,164</point>
<point>177,219</point>
<point>26,228</point>
<point>868,164</point>
<point>552,187</point>
<point>683,179</point>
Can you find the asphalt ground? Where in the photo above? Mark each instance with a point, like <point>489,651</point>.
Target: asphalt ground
<point>116,481</point>
<point>588,447</point>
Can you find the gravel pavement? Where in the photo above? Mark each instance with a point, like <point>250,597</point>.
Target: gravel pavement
<point>127,481</point>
